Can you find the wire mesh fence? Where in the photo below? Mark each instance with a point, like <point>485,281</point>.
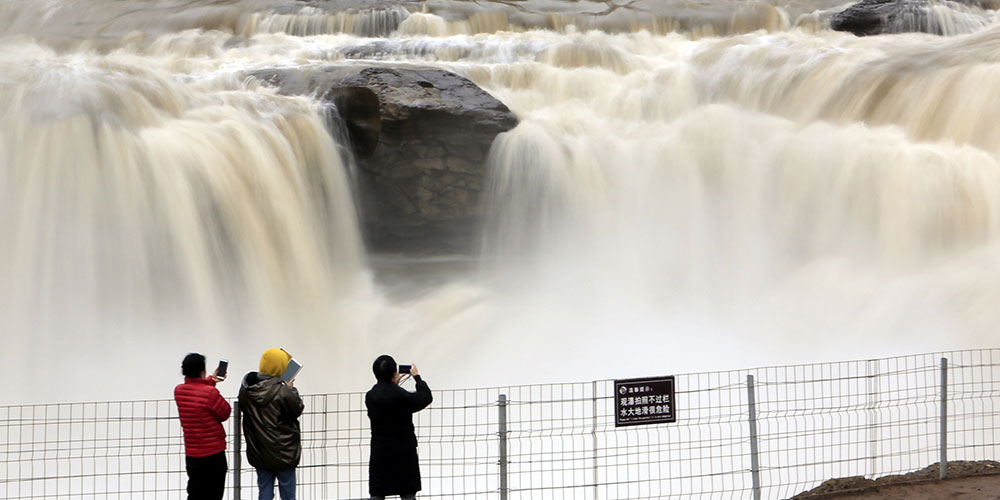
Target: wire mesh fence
<point>807,423</point>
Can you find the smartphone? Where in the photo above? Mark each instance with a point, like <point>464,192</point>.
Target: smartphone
<point>220,372</point>
<point>404,369</point>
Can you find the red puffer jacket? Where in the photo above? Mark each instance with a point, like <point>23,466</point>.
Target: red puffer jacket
<point>202,410</point>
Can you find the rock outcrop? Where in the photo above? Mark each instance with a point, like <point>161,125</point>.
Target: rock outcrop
<point>857,486</point>
<point>421,137</point>
<point>875,17</point>
<point>878,17</point>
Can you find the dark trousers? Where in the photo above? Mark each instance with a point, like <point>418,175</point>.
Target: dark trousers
<point>207,476</point>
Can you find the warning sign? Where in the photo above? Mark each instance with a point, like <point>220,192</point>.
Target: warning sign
<point>644,401</point>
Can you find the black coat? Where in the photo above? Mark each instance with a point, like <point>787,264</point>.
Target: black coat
<point>271,412</point>
<point>393,468</point>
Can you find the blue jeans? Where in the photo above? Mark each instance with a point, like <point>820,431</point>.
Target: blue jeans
<point>286,484</point>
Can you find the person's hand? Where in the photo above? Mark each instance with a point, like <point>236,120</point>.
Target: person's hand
<point>290,383</point>
<point>413,370</point>
<point>397,378</point>
<point>215,376</point>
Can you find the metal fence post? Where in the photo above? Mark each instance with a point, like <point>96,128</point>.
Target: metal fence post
<point>593,433</point>
<point>754,461</point>
<point>502,408</point>
<point>944,418</point>
<point>237,445</point>
<point>871,406</point>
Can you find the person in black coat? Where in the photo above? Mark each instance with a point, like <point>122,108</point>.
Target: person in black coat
<point>392,466</point>
<point>271,408</point>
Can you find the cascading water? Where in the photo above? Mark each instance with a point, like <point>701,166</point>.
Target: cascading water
<point>689,188</point>
<point>139,205</point>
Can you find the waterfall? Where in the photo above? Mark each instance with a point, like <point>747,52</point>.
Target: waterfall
<point>690,187</point>
<point>135,204</point>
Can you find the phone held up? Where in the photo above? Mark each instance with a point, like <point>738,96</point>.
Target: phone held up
<point>220,372</point>
<point>404,369</point>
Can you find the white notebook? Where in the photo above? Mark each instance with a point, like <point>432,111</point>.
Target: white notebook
<point>291,371</point>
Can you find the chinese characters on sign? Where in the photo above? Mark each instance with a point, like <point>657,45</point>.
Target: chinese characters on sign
<point>644,401</point>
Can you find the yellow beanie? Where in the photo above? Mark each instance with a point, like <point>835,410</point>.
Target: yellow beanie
<point>273,362</point>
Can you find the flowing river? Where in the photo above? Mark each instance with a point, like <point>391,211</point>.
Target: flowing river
<point>692,186</point>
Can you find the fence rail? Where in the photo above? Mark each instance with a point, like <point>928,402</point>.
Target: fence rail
<point>760,433</point>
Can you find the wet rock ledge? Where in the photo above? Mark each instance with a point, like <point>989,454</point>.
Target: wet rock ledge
<point>876,17</point>
<point>421,137</point>
<point>880,17</point>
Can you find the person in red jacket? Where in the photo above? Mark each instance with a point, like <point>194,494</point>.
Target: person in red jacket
<point>202,410</point>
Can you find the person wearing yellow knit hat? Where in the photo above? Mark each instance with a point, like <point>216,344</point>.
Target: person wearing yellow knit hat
<point>271,408</point>
<point>274,362</point>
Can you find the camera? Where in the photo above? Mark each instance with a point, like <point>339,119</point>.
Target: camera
<point>404,369</point>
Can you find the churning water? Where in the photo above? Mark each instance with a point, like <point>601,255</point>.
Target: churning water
<point>690,187</point>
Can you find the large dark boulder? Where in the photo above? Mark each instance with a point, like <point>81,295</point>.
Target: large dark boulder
<point>421,137</point>
<point>877,17</point>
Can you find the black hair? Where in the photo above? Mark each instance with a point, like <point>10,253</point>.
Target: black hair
<point>193,365</point>
<point>384,368</point>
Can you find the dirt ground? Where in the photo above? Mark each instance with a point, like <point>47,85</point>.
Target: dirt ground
<point>966,481</point>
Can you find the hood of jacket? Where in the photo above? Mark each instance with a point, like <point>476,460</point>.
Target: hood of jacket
<point>261,389</point>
